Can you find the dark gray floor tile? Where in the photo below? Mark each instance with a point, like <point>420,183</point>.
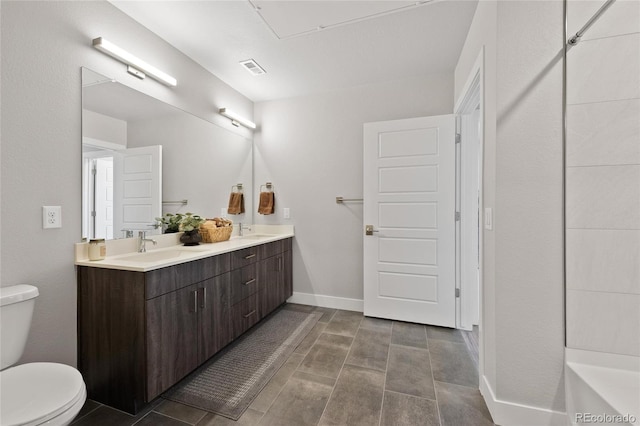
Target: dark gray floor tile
<point>444,333</point>
<point>370,348</point>
<point>406,410</point>
<point>248,418</point>
<point>179,411</point>
<point>326,356</point>
<point>308,341</point>
<point>270,392</point>
<point>155,419</point>
<point>409,372</point>
<point>89,406</point>
<point>356,399</point>
<point>460,405</point>
<point>451,363</point>
<point>345,323</point>
<point>408,334</point>
<point>106,416</point>
<point>376,323</point>
<point>297,307</point>
<point>301,401</point>
<point>327,313</point>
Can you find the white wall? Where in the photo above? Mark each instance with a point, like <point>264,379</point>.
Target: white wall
<point>523,255</point>
<point>101,127</point>
<point>603,180</point>
<point>311,149</point>
<point>43,46</point>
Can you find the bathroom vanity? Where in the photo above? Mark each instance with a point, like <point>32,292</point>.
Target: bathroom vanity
<point>144,324</point>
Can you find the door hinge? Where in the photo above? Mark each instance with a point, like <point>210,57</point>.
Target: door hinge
<point>458,138</point>
<point>457,216</point>
<point>457,292</point>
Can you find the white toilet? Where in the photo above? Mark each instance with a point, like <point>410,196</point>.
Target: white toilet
<point>39,393</point>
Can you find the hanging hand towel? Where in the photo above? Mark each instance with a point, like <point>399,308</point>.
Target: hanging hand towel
<point>267,203</point>
<point>236,203</point>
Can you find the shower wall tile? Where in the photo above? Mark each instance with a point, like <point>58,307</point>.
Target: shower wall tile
<point>604,133</point>
<point>604,70</point>
<point>621,18</point>
<point>603,260</point>
<point>604,322</point>
<point>603,197</point>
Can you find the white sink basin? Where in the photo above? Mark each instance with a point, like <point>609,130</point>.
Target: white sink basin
<point>154,256</point>
<point>256,236</point>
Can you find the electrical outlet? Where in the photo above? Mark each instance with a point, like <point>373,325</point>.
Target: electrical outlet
<point>287,213</point>
<point>51,217</point>
<point>223,212</point>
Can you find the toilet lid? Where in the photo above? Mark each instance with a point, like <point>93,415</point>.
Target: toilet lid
<point>36,392</point>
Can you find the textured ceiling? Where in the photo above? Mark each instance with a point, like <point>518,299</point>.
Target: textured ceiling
<point>310,46</point>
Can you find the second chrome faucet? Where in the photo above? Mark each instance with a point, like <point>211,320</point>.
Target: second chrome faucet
<point>142,241</point>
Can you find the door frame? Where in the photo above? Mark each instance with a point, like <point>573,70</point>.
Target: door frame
<point>472,95</point>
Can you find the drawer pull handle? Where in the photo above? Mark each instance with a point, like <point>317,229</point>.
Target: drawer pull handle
<point>252,280</point>
<point>249,256</point>
<point>249,314</point>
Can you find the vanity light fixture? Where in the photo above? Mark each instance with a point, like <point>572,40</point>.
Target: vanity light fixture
<point>137,66</point>
<point>236,119</point>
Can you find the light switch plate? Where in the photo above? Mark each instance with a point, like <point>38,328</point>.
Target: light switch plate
<point>51,217</point>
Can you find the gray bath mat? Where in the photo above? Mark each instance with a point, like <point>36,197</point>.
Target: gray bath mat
<point>230,381</point>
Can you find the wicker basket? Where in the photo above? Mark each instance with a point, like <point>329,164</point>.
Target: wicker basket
<point>215,235</point>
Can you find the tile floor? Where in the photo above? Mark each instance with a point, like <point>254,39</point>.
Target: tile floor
<point>349,370</point>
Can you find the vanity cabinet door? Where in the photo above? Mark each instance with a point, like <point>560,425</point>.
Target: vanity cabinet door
<point>272,284</point>
<point>287,272</point>
<point>215,322</point>
<point>172,338</point>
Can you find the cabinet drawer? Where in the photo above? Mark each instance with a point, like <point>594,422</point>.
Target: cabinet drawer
<point>165,280</point>
<point>245,313</point>
<point>275,247</point>
<point>244,257</point>
<point>244,282</point>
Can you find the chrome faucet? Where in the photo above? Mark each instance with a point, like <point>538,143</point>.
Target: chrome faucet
<point>142,240</point>
<point>242,227</point>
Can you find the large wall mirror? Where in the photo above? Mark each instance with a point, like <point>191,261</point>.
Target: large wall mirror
<point>142,158</point>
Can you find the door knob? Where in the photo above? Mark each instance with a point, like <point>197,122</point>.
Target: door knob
<point>368,230</point>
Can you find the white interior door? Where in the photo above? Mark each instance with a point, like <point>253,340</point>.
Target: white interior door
<point>409,202</point>
<point>137,175</point>
<point>104,198</point>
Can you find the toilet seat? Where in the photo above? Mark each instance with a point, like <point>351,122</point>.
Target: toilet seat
<point>32,394</point>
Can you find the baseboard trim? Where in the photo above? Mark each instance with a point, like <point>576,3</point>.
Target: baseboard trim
<point>507,413</point>
<point>343,303</point>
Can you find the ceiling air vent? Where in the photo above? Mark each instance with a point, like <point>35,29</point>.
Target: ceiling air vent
<point>253,67</point>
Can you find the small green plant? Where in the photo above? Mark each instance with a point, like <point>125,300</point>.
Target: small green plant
<point>171,221</point>
<point>190,222</point>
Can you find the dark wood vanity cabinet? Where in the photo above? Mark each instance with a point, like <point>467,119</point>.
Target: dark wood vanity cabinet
<point>275,274</point>
<point>139,333</point>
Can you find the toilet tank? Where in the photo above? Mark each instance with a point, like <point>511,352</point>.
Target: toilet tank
<point>16,309</point>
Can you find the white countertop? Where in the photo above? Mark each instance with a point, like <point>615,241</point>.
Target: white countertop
<point>123,255</point>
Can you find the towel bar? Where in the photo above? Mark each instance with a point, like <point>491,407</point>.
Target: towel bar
<point>268,186</point>
<point>181,202</point>
<point>340,200</point>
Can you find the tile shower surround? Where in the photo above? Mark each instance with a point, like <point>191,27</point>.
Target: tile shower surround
<point>603,181</point>
<point>349,370</point>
